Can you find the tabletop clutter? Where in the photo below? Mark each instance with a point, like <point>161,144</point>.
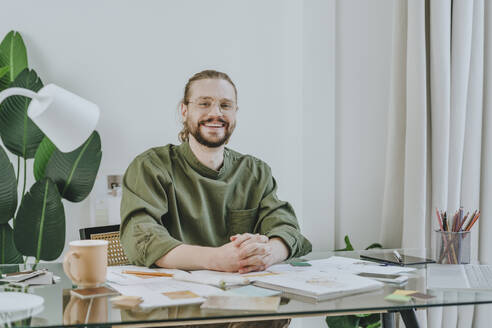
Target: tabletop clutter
<point>137,287</point>
<point>309,281</point>
<point>145,288</point>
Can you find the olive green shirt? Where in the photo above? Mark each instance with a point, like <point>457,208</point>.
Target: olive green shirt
<point>170,198</point>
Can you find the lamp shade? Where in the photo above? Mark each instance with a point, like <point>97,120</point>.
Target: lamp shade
<point>65,118</point>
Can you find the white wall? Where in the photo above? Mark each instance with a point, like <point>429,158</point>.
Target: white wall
<point>318,115</point>
<point>312,78</point>
<point>133,60</point>
<point>363,50</point>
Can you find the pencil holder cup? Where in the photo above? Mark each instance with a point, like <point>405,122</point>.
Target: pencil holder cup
<point>453,247</point>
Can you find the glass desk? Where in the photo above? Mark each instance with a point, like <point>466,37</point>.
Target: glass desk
<point>60,308</point>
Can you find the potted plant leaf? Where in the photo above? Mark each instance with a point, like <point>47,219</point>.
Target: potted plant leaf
<point>34,223</point>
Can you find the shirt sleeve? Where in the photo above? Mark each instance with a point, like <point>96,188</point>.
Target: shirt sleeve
<point>144,202</point>
<point>277,218</point>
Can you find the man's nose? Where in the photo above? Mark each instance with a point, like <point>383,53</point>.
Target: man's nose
<point>215,110</point>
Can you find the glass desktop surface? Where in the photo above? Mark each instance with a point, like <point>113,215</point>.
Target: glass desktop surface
<point>62,309</point>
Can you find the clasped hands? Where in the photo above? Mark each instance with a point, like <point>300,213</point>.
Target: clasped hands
<point>250,252</point>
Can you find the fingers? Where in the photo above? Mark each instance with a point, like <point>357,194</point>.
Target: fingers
<point>246,238</point>
<point>251,269</point>
<point>263,239</point>
<point>259,261</point>
<point>239,239</point>
<point>251,249</point>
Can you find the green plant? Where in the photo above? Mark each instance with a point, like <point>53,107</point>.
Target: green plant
<point>35,226</point>
<point>349,247</point>
<point>365,320</point>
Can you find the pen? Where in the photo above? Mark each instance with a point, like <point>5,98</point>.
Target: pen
<point>397,256</point>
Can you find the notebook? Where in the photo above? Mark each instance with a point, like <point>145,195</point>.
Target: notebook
<point>317,285</point>
<point>472,277</point>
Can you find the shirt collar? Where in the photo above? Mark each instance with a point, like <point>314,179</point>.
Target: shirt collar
<point>198,166</point>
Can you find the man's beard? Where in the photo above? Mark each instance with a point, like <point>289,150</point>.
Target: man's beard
<point>195,131</point>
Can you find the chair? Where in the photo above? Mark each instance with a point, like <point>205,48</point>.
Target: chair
<point>111,233</point>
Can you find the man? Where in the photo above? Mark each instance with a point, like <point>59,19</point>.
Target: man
<point>201,205</point>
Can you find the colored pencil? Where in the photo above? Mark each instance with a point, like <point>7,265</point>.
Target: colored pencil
<point>470,225</point>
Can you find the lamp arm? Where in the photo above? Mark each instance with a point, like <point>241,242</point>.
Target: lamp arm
<point>17,92</point>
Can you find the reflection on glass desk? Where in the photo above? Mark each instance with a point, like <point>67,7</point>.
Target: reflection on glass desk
<point>60,308</point>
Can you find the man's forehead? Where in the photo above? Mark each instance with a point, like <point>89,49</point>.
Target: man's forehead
<point>213,88</point>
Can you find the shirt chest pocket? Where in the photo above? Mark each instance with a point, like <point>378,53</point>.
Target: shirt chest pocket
<point>241,221</point>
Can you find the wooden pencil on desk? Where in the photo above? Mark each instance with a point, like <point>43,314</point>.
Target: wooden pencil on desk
<point>147,273</point>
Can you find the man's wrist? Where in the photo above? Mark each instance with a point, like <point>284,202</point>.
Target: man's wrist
<point>209,262</point>
<point>280,251</point>
<point>189,257</point>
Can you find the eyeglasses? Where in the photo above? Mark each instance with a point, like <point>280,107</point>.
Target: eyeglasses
<point>206,103</point>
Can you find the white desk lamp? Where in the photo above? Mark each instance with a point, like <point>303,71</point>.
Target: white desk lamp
<point>65,118</point>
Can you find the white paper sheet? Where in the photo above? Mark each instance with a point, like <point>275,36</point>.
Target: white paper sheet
<point>318,284</point>
<point>152,292</point>
<point>351,265</point>
<point>115,275</point>
<point>214,278</point>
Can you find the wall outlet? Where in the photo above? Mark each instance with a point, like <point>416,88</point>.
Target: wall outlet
<point>114,184</point>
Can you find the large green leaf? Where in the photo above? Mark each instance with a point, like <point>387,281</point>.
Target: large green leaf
<point>13,54</point>
<point>3,70</point>
<point>19,133</point>
<point>344,321</point>
<point>8,252</point>
<point>8,188</point>
<point>370,320</point>
<point>74,173</point>
<point>40,222</point>
<point>42,157</point>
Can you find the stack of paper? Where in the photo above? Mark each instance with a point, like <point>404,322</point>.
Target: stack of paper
<point>168,292</point>
<point>158,291</point>
<point>318,285</point>
<point>251,291</point>
<point>323,279</point>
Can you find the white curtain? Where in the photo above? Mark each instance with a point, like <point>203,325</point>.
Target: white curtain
<point>439,145</point>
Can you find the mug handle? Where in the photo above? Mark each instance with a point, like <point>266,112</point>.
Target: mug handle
<point>67,266</point>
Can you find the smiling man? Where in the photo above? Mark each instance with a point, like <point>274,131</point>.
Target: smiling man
<point>200,205</point>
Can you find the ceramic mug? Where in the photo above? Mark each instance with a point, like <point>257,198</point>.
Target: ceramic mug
<point>86,262</point>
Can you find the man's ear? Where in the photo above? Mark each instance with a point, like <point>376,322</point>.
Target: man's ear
<point>183,110</point>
